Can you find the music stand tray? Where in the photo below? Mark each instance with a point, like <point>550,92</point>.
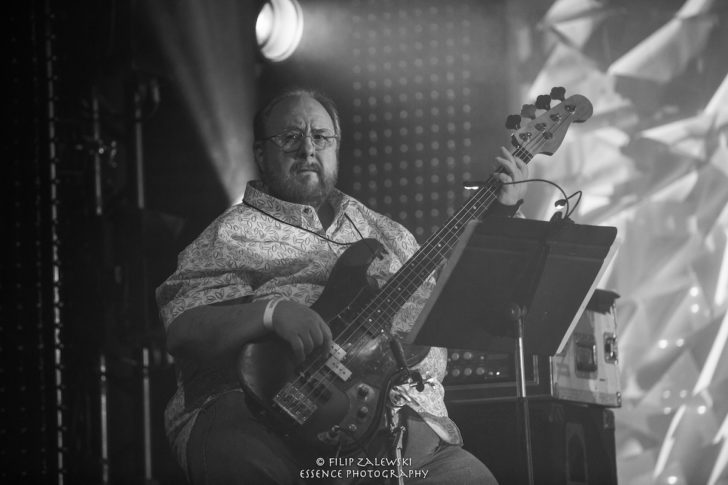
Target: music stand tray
<point>549,268</point>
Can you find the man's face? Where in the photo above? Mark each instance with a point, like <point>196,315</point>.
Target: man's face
<point>305,175</point>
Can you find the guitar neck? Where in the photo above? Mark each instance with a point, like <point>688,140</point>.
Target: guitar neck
<point>434,251</point>
<point>543,134</point>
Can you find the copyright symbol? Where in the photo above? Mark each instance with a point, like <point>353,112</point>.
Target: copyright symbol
<point>320,461</point>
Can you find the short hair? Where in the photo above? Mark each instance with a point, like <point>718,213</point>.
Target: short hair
<point>261,117</point>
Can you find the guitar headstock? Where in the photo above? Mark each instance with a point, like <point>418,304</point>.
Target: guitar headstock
<point>544,133</point>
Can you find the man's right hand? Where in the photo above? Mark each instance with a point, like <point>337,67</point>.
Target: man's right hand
<point>301,327</point>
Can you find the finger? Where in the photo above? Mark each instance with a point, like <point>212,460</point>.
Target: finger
<point>507,154</point>
<point>298,349</point>
<point>317,336</point>
<point>307,340</point>
<point>504,177</point>
<point>326,330</point>
<point>520,163</point>
<point>522,167</point>
<point>507,165</point>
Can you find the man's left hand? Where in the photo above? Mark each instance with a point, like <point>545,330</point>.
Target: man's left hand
<point>515,171</point>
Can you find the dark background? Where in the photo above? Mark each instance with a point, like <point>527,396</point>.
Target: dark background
<point>112,177</point>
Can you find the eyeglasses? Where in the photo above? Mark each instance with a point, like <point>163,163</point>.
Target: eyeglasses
<point>290,141</point>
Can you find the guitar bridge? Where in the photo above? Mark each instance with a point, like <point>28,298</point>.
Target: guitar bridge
<point>295,403</point>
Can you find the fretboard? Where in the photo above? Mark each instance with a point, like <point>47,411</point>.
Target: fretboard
<point>383,307</point>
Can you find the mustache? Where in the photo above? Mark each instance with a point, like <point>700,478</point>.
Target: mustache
<point>300,166</point>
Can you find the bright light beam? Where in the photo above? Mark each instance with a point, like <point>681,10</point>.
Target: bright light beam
<point>206,44</point>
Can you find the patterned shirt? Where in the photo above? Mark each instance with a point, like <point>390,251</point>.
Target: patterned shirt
<point>266,247</point>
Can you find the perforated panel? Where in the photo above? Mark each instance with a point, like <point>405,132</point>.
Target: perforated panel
<point>415,110</point>
<point>422,94</point>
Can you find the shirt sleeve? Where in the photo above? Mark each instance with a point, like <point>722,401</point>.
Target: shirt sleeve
<point>210,270</point>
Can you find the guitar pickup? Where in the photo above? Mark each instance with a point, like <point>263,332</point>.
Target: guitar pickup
<point>338,368</point>
<point>336,351</point>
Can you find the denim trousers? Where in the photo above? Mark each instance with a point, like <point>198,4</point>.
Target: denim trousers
<point>230,445</point>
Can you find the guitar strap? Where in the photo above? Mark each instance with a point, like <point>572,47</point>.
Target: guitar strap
<point>398,431</point>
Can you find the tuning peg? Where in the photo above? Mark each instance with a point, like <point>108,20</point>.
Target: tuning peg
<point>513,122</point>
<point>528,111</point>
<point>543,102</point>
<point>558,93</point>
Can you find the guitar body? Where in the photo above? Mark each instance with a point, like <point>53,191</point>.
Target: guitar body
<point>348,411</point>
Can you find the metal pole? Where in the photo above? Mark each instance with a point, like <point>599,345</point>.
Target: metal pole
<point>97,149</point>
<point>138,149</point>
<point>104,409</point>
<point>146,402</point>
<point>521,393</point>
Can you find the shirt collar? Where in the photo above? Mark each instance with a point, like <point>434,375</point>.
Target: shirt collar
<point>256,195</point>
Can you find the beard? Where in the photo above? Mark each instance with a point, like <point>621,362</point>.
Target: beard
<point>292,187</point>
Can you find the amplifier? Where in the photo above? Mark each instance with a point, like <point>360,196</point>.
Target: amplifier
<point>587,370</point>
<point>572,443</point>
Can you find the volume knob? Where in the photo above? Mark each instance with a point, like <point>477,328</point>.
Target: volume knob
<point>363,392</point>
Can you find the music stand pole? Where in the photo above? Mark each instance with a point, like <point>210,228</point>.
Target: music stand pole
<point>517,314</point>
<point>525,293</point>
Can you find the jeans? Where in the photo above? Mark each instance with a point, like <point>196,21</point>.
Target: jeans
<point>229,445</point>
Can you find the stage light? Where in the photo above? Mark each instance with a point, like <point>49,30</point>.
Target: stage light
<point>278,28</point>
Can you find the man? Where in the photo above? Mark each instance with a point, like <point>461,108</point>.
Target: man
<point>256,270</point>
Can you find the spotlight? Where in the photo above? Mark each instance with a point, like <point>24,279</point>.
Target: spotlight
<point>278,28</point>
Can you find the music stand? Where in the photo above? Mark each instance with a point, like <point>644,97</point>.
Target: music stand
<point>515,284</point>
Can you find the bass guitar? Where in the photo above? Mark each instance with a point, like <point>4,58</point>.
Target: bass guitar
<point>335,399</point>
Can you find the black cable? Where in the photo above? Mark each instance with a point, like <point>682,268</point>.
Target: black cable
<point>565,201</point>
<point>560,202</point>
<point>303,228</point>
<point>579,193</point>
<point>375,251</point>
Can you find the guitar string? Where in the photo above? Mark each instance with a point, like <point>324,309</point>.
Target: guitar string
<point>350,332</point>
<point>455,233</point>
<point>356,325</point>
<point>452,233</point>
<point>449,231</point>
<point>326,380</point>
